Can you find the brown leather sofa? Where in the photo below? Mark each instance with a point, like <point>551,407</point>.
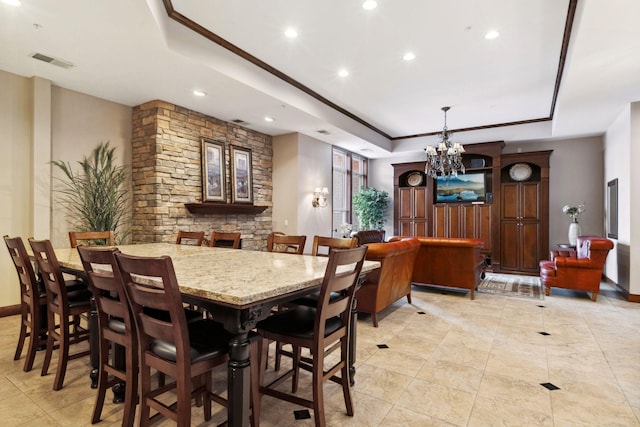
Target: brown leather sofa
<point>580,269</point>
<point>369,236</point>
<point>450,262</point>
<point>392,281</point>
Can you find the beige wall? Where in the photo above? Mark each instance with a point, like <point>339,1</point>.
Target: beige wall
<point>16,180</point>
<point>41,122</point>
<point>79,123</point>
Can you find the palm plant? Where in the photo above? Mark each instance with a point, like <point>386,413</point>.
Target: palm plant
<point>96,194</point>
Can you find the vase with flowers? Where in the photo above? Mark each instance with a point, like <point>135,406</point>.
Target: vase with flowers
<point>574,228</point>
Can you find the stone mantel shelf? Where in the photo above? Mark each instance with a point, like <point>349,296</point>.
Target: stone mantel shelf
<point>224,208</point>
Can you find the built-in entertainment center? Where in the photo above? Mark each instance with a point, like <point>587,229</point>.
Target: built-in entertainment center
<point>501,199</point>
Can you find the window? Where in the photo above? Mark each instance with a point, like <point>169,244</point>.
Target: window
<point>349,174</point>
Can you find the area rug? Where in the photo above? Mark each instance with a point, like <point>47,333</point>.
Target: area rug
<point>512,285</point>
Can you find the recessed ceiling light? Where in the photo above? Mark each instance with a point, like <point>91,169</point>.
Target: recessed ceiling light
<point>409,56</point>
<point>369,4</point>
<point>493,34</point>
<point>343,72</point>
<point>199,93</point>
<point>268,119</point>
<point>291,33</point>
<point>12,2</point>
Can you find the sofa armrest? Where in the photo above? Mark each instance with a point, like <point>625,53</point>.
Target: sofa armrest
<point>563,254</point>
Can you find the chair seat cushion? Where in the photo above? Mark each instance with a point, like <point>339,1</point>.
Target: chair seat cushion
<point>207,338</point>
<point>297,322</point>
<point>116,324</point>
<point>77,296</point>
<point>311,300</point>
<point>192,315</point>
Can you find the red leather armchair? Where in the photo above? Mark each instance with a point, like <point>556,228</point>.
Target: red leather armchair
<point>369,236</point>
<point>580,269</point>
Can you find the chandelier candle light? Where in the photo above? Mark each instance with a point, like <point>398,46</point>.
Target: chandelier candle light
<point>574,227</point>
<point>446,159</point>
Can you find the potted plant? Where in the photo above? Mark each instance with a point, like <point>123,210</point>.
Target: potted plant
<point>96,194</point>
<point>370,206</point>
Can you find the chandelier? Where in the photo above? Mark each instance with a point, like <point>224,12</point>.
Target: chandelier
<point>446,159</point>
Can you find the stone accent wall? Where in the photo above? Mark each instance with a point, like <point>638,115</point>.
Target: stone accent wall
<point>166,174</point>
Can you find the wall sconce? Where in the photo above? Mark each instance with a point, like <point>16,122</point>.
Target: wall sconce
<point>320,196</point>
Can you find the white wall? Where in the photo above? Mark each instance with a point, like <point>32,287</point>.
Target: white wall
<point>621,150</point>
<point>634,201</point>
<point>309,165</point>
<point>617,140</point>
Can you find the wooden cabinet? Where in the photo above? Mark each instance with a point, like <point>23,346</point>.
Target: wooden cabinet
<point>521,227</point>
<point>412,200</point>
<point>513,221</point>
<point>524,218</point>
<point>412,211</point>
<point>464,220</point>
<point>416,214</point>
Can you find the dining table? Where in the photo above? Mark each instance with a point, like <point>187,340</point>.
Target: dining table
<point>238,288</point>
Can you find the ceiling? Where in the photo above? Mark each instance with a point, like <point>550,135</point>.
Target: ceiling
<point>508,88</point>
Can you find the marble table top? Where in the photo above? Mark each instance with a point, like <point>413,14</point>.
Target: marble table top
<point>229,276</point>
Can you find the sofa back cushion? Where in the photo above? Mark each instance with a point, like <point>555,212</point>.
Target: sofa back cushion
<point>369,236</point>
<point>393,278</point>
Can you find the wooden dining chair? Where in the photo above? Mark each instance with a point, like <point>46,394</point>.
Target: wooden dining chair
<point>323,330</point>
<point>194,238</point>
<point>116,330</point>
<point>225,239</point>
<point>280,242</point>
<point>322,246</point>
<point>33,303</point>
<point>66,300</point>
<point>91,238</point>
<point>181,350</point>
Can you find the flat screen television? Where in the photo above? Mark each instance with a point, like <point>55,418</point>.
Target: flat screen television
<point>469,187</point>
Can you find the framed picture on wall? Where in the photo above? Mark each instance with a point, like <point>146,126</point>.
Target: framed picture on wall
<point>214,179</point>
<point>241,175</point>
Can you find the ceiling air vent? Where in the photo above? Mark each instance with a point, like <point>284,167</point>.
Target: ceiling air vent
<point>53,61</point>
<point>324,132</point>
<point>239,122</point>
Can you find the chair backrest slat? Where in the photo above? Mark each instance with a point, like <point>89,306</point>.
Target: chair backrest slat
<point>194,238</point>
<point>341,276</point>
<point>163,294</point>
<point>322,246</point>
<point>49,269</point>
<point>24,268</point>
<point>106,284</point>
<point>280,242</point>
<point>91,238</point>
<point>225,239</point>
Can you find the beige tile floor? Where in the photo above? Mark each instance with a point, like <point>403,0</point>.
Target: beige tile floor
<point>462,363</point>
